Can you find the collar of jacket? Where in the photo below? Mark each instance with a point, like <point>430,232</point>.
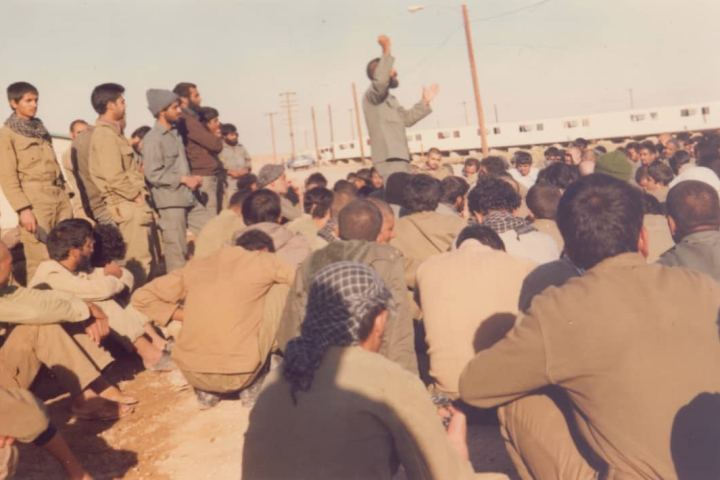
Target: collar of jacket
<point>703,236</point>
<point>109,123</point>
<point>630,259</point>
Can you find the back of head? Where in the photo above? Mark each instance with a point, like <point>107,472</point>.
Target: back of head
<point>493,166</point>
<point>599,217</point>
<point>422,194</point>
<point>661,173</point>
<point>384,207</point>
<point>255,240</point>
<point>559,174</point>
<point>343,186</point>
<point>340,200</point>
<point>68,234</point>
<point>316,179</point>
<point>360,220</point>
<point>261,206</point>
<point>543,200</point>
<point>109,245</point>
<point>317,202</point>
<point>140,132</point>
<point>694,206</point>
<point>238,198</point>
<point>247,181</point>
<point>481,233</point>
<point>395,188</point>
<point>493,194</point>
<point>452,188</point>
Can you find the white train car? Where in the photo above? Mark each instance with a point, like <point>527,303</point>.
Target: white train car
<point>611,125</point>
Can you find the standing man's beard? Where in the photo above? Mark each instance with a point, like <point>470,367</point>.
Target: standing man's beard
<point>194,108</point>
<point>232,143</point>
<point>85,265</point>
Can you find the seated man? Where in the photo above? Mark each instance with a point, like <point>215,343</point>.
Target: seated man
<point>423,232</point>
<point>454,190</point>
<point>262,211</point>
<point>25,420</point>
<point>70,246</point>
<point>219,230</point>
<point>272,177</point>
<point>493,202</point>
<point>336,409</point>
<point>220,301</point>
<point>31,317</point>
<point>360,229</point>
<point>524,173</point>
<point>316,203</point>
<point>659,177</point>
<point>693,214</point>
<point>543,200</point>
<point>469,301</point>
<point>612,342</point>
<point>434,167</point>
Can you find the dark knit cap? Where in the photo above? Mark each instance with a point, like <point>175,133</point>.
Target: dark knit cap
<point>614,164</point>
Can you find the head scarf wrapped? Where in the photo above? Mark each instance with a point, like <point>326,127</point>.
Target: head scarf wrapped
<point>342,297</point>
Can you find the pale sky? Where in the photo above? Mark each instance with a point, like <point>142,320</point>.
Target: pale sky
<point>560,57</point>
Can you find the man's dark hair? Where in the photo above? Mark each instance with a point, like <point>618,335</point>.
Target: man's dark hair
<point>395,188</point>
<point>599,217</point>
<point>68,234</point>
<point>641,173</point>
<point>522,157</point>
<point>140,132</point>
<point>247,181</point>
<point>360,220</point>
<point>293,196</point>
<point>694,206</point>
<point>551,152</point>
<point>474,162</point>
<point>559,174</point>
<point>317,202</point>
<point>102,94</point>
<point>434,150</point>
<point>109,245</point>
<point>365,174</point>
<point>207,114</point>
<point>483,234</point>
<point>76,122</point>
<point>678,159</point>
<point>580,143</point>
<point>343,186</point>
<point>261,206</point>
<point>255,240</point>
<point>683,136</point>
<point>371,67</point>
<point>543,200</point>
<point>493,194</point>
<point>494,166</point>
<point>422,193</point>
<point>227,129</point>
<point>16,91</point>
<point>649,146</point>
<point>633,146</point>
<point>452,188</point>
<point>317,179</point>
<point>652,206</point>
<point>661,173</point>
<point>182,89</point>
<point>238,198</point>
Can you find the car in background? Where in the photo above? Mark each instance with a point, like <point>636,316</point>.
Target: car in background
<point>304,160</point>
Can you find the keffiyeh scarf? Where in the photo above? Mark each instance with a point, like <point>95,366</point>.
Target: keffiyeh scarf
<point>33,128</point>
<point>501,222</point>
<point>341,297</point>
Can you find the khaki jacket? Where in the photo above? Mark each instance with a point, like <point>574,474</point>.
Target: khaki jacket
<point>631,344</point>
<point>224,301</point>
<point>25,159</point>
<point>290,246</point>
<point>112,165</point>
<point>305,226</point>
<point>90,194</point>
<point>399,340</point>
<point>217,232</point>
<point>40,307</point>
<point>91,287</point>
<point>361,415</point>
<point>421,235</point>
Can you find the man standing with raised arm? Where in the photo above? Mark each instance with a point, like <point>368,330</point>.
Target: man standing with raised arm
<point>386,119</point>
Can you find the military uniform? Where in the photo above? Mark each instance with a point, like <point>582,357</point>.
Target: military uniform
<point>114,171</point>
<point>30,177</point>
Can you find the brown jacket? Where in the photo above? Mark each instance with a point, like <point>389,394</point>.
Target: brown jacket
<point>421,235</point>
<point>25,159</point>
<point>399,340</point>
<point>290,246</point>
<point>224,301</point>
<point>201,146</point>
<point>631,344</point>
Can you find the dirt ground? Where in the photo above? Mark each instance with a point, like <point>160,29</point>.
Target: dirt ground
<point>167,437</point>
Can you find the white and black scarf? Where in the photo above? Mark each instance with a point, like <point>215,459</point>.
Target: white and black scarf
<point>33,128</point>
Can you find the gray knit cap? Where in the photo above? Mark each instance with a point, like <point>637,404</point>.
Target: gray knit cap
<point>159,100</point>
<point>268,174</point>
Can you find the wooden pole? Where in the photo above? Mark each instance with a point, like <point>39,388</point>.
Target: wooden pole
<point>359,125</point>
<point>317,148</point>
<point>289,109</point>
<point>272,135</point>
<point>464,104</point>
<point>352,126</point>
<point>332,134</point>
<point>476,85</point>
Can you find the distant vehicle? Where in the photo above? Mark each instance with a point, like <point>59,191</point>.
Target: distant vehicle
<point>304,160</point>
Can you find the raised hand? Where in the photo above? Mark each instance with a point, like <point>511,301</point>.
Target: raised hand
<point>429,93</point>
<point>384,42</point>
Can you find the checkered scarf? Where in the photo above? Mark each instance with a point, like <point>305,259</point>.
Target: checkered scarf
<point>342,295</point>
<point>501,222</point>
<point>33,128</point>
<point>327,233</point>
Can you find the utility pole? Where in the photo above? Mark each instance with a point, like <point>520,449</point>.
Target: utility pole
<point>352,125</point>
<point>632,100</point>
<point>464,104</point>
<point>317,148</point>
<point>332,134</point>
<point>289,103</point>
<point>476,85</point>
<point>359,125</point>
<point>497,118</point>
<point>272,134</point>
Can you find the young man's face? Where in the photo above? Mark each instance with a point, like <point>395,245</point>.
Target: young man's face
<point>117,108</point>
<point>172,113</point>
<point>470,170</point>
<point>647,157</point>
<point>231,138</point>
<point>670,149</point>
<point>651,185</point>
<point>195,97</point>
<point>26,107</point>
<point>214,125</point>
<point>524,169</point>
<point>377,181</point>
<point>633,155</point>
<point>433,161</point>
